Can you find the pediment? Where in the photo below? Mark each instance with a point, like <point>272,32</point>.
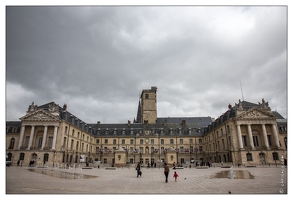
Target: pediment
<point>39,115</point>
<point>255,113</point>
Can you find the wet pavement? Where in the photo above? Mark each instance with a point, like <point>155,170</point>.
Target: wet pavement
<point>258,180</point>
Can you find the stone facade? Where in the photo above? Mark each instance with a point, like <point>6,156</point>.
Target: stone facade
<point>246,134</point>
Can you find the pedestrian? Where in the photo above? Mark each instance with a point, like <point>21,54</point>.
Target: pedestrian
<point>18,162</point>
<point>166,172</point>
<point>175,176</point>
<point>138,169</point>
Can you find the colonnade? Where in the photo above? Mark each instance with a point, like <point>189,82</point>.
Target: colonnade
<point>32,133</point>
<point>264,134</point>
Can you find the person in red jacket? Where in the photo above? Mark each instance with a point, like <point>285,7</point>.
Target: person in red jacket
<point>175,176</point>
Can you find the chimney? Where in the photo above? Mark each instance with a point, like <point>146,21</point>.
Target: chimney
<point>129,123</point>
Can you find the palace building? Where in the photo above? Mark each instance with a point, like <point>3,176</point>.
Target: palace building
<point>246,134</point>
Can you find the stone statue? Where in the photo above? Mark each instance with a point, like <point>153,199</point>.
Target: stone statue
<point>32,107</point>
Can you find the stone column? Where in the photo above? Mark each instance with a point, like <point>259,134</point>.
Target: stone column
<point>276,136</point>
<point>265,136</point>
<point>54,138</point>
<point>44,137</point>
<point>31,137</point>
<point>250,137</point>
<point>21,137</point>
<point>239,137</point>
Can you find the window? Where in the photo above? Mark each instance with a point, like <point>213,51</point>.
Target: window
<point>11,145</point>
<point>171,141</point>
<point>255,140</point>
<point>146,96</point>
<point>140,149</point>
<point>64,141</point>
<point>200,141</point>
<point>50,142</point>
<point>114,141</point>
<point>141,141</point>
<point>181,149</point>
<point>162,141</point>
<point>190,141</point>
<point>73,132</point>
<point>269,140</point>
<point>249,157</point>
<point>97,141</point>
<point>40,140</point>
<point>21,156</point>
<point>223,144</point>
<point>27,138</point>
<point>244,140</point>
<point>46,157</point>
<point>275,156</point>
<point>285,141</point>
<point>200,148</point>
<point>72,143</point>
<point>106,141</point>
<point>123,141</point>
<point>152,141</point>
<point>77,144</point>
<point>181,141</point>
<point>131,141</point>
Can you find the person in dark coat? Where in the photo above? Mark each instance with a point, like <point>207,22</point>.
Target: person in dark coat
<point>138,169</point>
<point>166,172</point>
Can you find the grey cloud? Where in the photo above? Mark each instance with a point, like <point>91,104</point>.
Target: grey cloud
<point>95,57</point>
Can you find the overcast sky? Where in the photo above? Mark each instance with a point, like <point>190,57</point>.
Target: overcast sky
<point>98,59</point>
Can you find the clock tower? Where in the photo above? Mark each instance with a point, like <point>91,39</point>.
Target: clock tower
<point>148,101</point>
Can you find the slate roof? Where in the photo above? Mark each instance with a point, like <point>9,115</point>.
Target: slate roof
<point>13,127</point>
<point>165,126</point>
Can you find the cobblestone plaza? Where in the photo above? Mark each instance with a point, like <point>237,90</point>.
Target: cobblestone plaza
<point>266,180</point>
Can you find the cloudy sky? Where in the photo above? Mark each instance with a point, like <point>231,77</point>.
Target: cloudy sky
<point>98,59</point>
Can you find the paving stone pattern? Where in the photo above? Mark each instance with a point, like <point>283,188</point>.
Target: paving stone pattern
<point>19,180</point>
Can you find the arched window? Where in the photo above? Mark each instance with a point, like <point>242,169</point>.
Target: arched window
<point>123,141</point>
<point>11,145</point>
<point>114,141</point>
<point>106,141</point>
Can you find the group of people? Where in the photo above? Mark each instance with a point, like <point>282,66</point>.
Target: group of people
<point>166,172</point>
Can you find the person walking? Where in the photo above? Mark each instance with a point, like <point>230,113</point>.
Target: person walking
<point>138,169</point>
<point>175,176</point>
<point>166,172</point>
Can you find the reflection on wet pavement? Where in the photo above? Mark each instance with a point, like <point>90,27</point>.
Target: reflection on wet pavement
<point>238,174</point>
<point>62,174</point>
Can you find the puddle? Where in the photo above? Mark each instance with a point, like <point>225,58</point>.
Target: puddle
<point>62,174</point>
<point>238,174</point>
